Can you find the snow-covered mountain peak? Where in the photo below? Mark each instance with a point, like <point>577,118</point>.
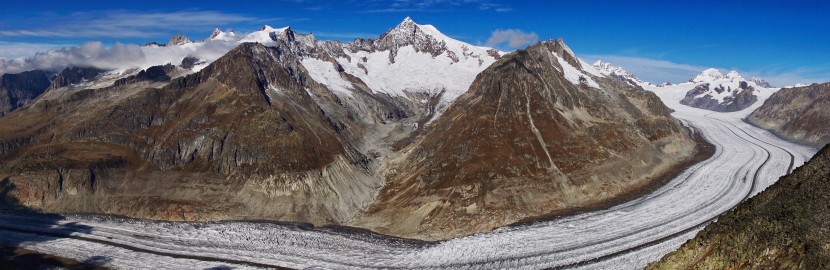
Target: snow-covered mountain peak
<point>608,69</point>
<point>409,33</point>
<point>216,33</point>
<point>266,35</point>
<point>565,47</point>
<point>734,75</point>
<point>220,35</point>
<point>708,75</point>
<point>407,23</point>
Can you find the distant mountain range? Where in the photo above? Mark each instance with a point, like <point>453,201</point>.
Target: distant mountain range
<point>710,89</point>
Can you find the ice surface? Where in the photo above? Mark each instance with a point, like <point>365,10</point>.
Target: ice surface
<point>325,73</point>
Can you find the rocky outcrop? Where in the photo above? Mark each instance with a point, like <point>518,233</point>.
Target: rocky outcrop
<point>725,98</point>
<point>762,83</point>
<point>189,62</point>
<point>153,74</point>
<point>178,40</point>
<point>797,114</point>
<point>17,90</point>
<point>74,75</point>
<point>783,227</point>
<point>525,142</point>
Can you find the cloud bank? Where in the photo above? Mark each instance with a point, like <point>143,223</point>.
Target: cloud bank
<point>514,38</point>
<point>118,56</point>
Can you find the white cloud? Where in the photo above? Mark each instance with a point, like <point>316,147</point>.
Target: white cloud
<point>119,56</point>
<point>12,50</point>
<point>121,24</point>
<point>513,37</point>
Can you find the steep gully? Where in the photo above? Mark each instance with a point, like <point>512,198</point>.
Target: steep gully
<point>629,235</point>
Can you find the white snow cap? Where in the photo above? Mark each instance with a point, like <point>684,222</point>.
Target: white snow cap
<point>266,35</point>
<point>608,69</point>
<point>708,75</point>
<point>735,75</point>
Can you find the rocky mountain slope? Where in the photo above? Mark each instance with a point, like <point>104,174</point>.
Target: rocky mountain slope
<point>287,127</point>
<point>797,114</point>
<point>784,227</point>
<point>526,141</point>
<point>17,90</point>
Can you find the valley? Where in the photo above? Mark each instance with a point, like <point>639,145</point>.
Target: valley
<point>629,235</point>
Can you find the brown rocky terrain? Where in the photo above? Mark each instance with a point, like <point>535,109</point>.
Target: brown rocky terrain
<point>784,227</point>
<point>525,142</point>
<point>798,114</point>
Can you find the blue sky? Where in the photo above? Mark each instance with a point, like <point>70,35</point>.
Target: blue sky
<point>782,41</point>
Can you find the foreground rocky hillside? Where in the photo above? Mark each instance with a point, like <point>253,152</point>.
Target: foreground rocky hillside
<point>784,227</point>
<point>525,141</point>
<point>799,114</point>
<point>287,127</point>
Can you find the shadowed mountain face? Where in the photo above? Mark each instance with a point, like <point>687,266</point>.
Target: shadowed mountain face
<point>525,142</point>
<point>784,227</point>
<point>17,90</point>
<point>797,114</point>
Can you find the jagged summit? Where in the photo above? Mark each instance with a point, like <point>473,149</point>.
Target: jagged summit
<point>608,69</point>
<point>409,33</point>
<point>179,40</point>
<point>215,34</point>
<point>708,75</point>
<point>407,23</point>
<point>762,83</point>
<point>733,74</point>
<point>265,35</point>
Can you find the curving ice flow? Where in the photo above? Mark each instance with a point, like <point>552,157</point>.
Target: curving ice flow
<point>626,236</point>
